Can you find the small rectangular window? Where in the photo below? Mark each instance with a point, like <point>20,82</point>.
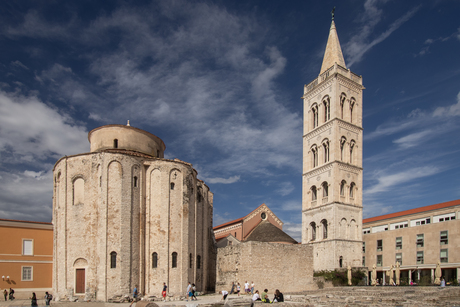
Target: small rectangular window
<point>420,257</point>
<point>26,273</point>
<point>444,256</point>
<point>364,247</point>
<point>379,245</point>
<point>364,261</point>
<point>444,238</point>
<point>398,258</point>
<point>27,247</point>
<point>379,260</point>
<point>398,242</point>
<point>420,240</point>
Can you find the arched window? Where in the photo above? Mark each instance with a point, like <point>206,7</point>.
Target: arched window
<point>343,228</point>
<point>340,261</point>
<point>353,229</point>
<point>343,140</point>
<point>313,193</point>
<point>325,189</point>
<point>154,260</point>
<point>191,260</point>
<point>327,109</point>
<point>172,185</point>
<point>352,187</point>
<point>324,224</point>
<point>326,150</point>
<point>343,97</point>
<point>313,231</point>
<point>352,104</point>
<point>352,145</point>
<point>198,262</point>
<point>314,151</point>
<point>113,260</point>
<point>314,111</point>
<point>135,181</point>
<point>174,260</point>
<point>115,143</point>
<point>342,188</point>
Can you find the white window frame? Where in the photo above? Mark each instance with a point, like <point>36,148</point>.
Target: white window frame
<point>31,248</point>
<point>31,273</point>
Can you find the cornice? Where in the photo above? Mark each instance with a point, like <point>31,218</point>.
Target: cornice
<point>350,83</point>
<point>231,227</point>
<point>322,169</point>
<point>259,211</point>
<point>349,167</point>
<point>318,88</point>
<point>349,126</point>
<point>319,130</point>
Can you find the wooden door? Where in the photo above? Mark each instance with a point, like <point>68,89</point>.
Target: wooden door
<point>80,281</point>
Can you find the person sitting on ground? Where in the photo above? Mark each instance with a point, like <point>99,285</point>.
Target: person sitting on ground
<point>262,296</point>
<point>224,295</point>
<point>278,296</point>
<point>266,299</point>
<point>443,282</point>
<point>256,296</point>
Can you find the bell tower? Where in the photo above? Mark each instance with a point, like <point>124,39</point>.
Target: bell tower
<point>332,177</point>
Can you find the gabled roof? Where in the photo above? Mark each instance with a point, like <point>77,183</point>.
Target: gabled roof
<point>237,220</point>
<point>267,232</point>
<point>413,211</point>
<point>333,53</point>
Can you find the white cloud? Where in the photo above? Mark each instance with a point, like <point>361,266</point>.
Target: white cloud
<point>452,110</point>
<point>294,230</point>
<point>386,181</point>
<point>285,188</point>
<point>413,139</point>
<point>229,180</point>
<point>360,44</point>
<point>32,130</point>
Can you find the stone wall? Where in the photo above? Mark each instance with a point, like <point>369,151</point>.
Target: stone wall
<point>268,265</point>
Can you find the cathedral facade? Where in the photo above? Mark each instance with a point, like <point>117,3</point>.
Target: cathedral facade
<point>332,176</point>
<point>125,217</point>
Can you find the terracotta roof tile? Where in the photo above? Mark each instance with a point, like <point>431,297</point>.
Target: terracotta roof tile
<point>412,211</point>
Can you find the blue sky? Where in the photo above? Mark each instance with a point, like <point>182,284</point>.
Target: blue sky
<point>220,82</point>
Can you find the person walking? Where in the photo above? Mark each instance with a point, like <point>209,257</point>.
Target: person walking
<point>189,291</point>
<point>5,294</point>
<point>33,301</point>
<point>48,298</point>
<point>165,287</point>
<point>11,294</point>
<point>194,292</point>
<point>252,288</point>
<point>135,293</point>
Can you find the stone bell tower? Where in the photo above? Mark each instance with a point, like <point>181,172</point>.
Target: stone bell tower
<point>332,179</point>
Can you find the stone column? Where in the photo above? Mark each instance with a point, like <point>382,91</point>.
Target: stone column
<point>432,275</point>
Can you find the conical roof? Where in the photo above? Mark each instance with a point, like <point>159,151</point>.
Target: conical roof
<point>333,53</point>
<point>267,232</point>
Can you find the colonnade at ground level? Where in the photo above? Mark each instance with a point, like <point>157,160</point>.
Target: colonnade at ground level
<point>415,274</point>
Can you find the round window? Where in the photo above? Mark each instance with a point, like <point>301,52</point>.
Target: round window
<point>263,215</point>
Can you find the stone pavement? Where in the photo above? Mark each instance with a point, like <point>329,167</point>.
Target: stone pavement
<point>331,297</point>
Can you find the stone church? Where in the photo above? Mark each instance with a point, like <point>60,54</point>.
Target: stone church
<point>124,216</point>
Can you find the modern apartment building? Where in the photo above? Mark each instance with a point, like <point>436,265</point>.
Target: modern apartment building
<point>418,239</point>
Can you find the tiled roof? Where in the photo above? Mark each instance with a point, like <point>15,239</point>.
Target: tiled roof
<point>412,211</point>
<point>19,221</point>
<point>237,220</point>
<point>267,232</point>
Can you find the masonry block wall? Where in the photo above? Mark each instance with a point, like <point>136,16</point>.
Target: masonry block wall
<point>268,265</point>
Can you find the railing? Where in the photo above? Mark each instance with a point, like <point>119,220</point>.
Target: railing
<point>312,85</point>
